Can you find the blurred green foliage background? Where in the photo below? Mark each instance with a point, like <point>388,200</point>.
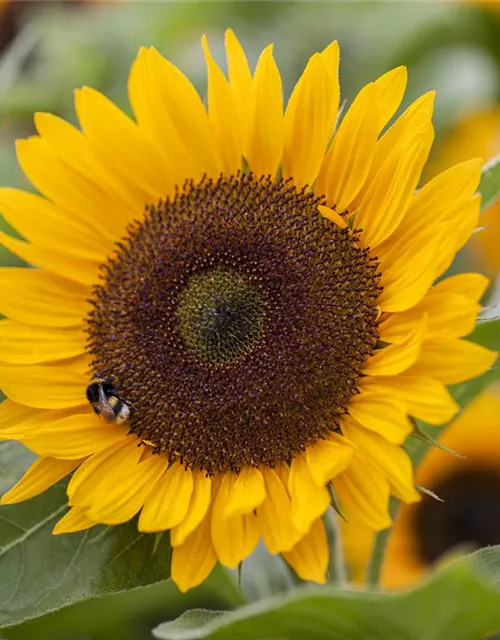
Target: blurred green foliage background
<point>50,48</point>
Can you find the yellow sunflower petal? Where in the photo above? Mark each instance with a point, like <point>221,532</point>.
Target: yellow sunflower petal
<point>432,202</point>
<point>309,121</point>
<point>452,361</point>
<point>45,386</point>
<point>60,135</point>
<point>67,187</point>
<point>331,57</point>
<point>29,344</point>
<point>198,507</point>
<point>309,501</point>
<point>194,560</point>
<point>409,268</point>
<point>122,144</point>
<point>42,474</point>
<point>460,226</point>
<point>384,414</point>
<point>266,145</point>
<point>241,84</point>
<point>46,225</point>
<point>426,398</point>
<point>13,415</point>
<point>247,493</point>
<point>390,459</point>
<point>471,285</point>
<point>18,422</point>
<point>332,215</point>
<point>223,114</point>
<point>363,494</point>
<point>351,153</point>
<point>326,459</point>
<point>450,315</point>
<point>80,270</point>
<point>416,115</point>
<point>169,501</point>
<point>463,178</point>
<point>73,437</point>
<point>275,515</point>
<point>309,557</point>
<point>85,483</point>
<point>155,121</point>
<point>141,94</point>
<point>396,358</point>
<point>389,194</point>
<point>390,89</point>
<point>75,520</point>
<point>185,110</point>
<point>47,300</point>
<point>118,496</point>
<point>234,538</point>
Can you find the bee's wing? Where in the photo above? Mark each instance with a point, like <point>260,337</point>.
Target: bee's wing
<point>105,409</point>
<point>107,413</point>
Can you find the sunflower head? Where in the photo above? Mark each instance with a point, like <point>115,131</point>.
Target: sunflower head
<point>251,288</point>
<point>246,340</point>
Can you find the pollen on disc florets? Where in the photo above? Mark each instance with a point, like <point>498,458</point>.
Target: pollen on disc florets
<point>236,320</point>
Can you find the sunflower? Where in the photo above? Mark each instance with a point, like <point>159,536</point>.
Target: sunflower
<point>247,300</point>
<point>477,134</point>
<point>469,486</point>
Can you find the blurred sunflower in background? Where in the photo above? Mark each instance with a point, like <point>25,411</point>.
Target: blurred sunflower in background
<point>247,301</point>
<point>468,518</point>
<point>465,515</point>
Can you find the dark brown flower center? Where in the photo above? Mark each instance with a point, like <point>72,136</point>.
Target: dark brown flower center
<point>236,320</point>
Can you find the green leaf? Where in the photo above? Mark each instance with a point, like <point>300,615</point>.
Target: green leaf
<point>125,614</point>
<point>189,624</point>
<point>490,184</point>
<point>489,560</point>
<point>457,603</point>
<point>42,572</point>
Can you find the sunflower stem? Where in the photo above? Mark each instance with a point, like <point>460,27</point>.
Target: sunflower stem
<point>337,573</point>
<point>376,561</point>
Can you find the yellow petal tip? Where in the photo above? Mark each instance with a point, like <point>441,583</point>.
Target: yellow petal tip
<point>332,215</point>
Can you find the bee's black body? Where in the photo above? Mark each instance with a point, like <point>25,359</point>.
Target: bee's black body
<point>106,402</point>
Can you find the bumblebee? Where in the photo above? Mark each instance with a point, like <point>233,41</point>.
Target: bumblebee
<point>106,402</point>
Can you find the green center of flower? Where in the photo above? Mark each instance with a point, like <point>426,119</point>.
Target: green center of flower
<point>236,321</point>
<point>220,316</point>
